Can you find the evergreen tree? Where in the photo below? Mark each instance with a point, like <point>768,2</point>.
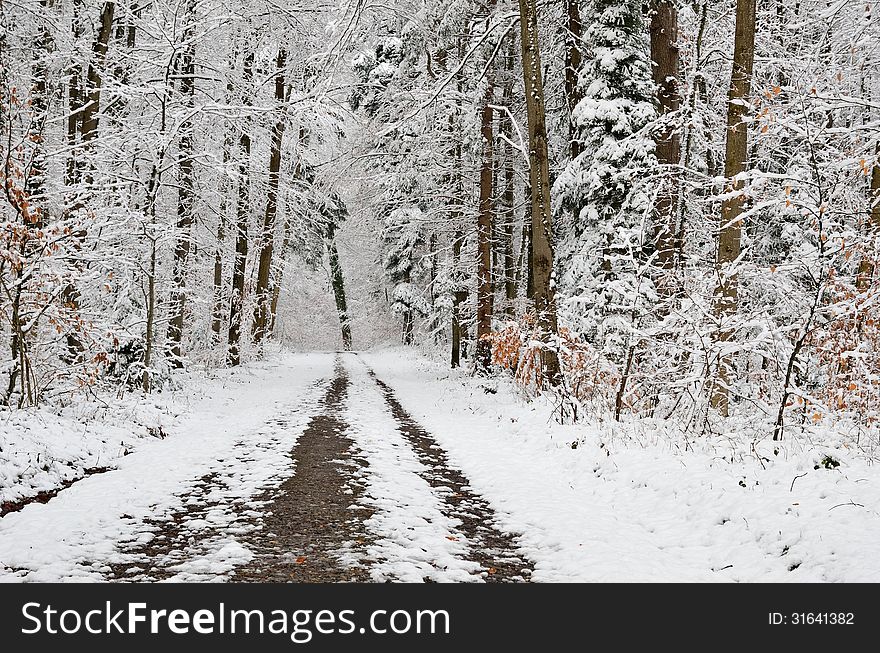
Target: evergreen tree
<point>601,195</point>
<point>401,238</point>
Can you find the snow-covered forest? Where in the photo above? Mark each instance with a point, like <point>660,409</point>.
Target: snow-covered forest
<point>604,272</point>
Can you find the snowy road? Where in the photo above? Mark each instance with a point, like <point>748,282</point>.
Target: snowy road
<point>313,473</point>
<point>382,466</point>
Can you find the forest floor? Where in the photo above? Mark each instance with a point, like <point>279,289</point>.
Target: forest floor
<point>384,466</point>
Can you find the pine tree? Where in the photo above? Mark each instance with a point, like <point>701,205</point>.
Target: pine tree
<point>601,194</point>
<point>401,237</point>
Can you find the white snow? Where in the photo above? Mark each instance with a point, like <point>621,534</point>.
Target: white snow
<point>414,540</point>
<point>233,431</point>
<point>42,448</point>
<point>626,505</point>
<point>589,502</point>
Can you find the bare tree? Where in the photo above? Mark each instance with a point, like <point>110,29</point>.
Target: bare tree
<point>485,220</point>
<point>664,54</point>
<point>92,106</point>
<point>866,265</point>
<point>735,163</point>
<point>185,192</point>
<point>539,175</point>
<point>219,296</point>
<point>337,281</point>
<point>507,212</point>
<point>243,211</point>
<point>574,31</point>
<point>267,235</point>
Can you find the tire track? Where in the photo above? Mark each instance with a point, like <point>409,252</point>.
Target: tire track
<point>494,550</point>
<point>312,526</point>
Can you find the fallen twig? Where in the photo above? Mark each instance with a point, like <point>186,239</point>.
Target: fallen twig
<point>848,503</point>
<point>791,489</point>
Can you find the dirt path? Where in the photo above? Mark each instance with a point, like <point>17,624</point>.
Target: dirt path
<point>307,529</point>
<point>314,519</point>
<point>311,527</point>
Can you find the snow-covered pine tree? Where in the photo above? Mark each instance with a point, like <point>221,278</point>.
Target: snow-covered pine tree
<point>401,237</point>
<point>601,195</point>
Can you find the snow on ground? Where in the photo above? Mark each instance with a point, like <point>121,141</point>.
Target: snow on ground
<point>217,558</point>
<point>241,429</point>
<point>41,448</point>
<point>627,504</point>
<point>414,540</point>
<point>633,508</point>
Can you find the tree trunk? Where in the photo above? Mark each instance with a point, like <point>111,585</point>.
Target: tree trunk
<point>89,128</point>
<point>573,57</point>
<point>236,302</point>
<point>458,297</point>
<point>455,200</point>
<point>74,106</point>
<point>408,328</point>
<point>217,312</point>
<point>485,218</point>
<point>267,236</point>
<point>698,80</point>
<point>736,155</point>
<point>153,185</point>
<point>88,125</point>
<point>15,328</point>
<point>539,175</point>
<point>866,265</point>
<point>526,254</point>
<point>185,199</point>
<point>338,283</point>
<point>508,200</point>
<point>435,315</point>
<point>36,178</point>
<point>225,187</point>
<point>278,278</point>
<point>510,288</point>
<point>125,34</point>
<point>151,316</point>
<point>408,320</point>
<point>664,54</point>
